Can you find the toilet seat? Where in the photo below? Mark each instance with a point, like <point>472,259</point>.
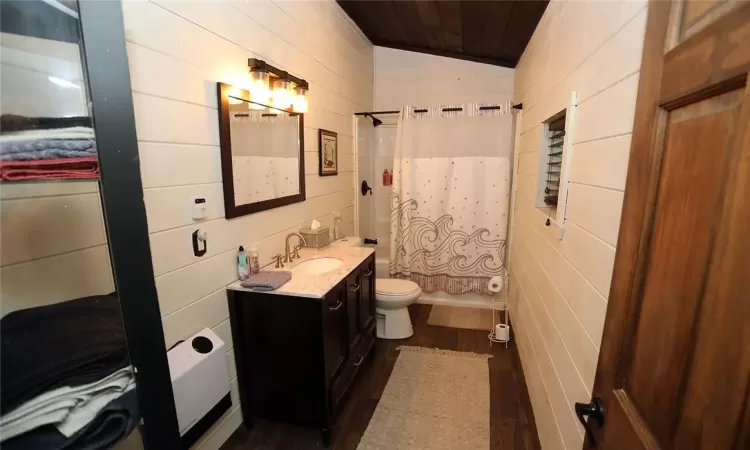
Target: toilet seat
<point>392,288</point>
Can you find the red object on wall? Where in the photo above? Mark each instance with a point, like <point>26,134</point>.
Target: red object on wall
<point>386,178</point>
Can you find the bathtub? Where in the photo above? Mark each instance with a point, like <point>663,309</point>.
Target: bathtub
<point>470,300</point>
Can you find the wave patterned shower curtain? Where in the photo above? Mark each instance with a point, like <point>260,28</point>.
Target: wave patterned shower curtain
<point>451,191</point>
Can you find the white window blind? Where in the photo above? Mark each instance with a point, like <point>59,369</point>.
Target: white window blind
<point>554,160</point>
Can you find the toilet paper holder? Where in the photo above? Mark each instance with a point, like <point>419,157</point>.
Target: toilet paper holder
<point>498,287</point>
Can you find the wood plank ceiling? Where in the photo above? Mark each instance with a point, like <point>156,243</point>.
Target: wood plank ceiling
<point>491,32</point>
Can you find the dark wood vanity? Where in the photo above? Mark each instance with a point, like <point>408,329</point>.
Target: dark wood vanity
<point>297,357</point>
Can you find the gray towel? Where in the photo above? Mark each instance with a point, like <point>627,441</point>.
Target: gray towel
<point>267,281</point>
<point>35,145</point>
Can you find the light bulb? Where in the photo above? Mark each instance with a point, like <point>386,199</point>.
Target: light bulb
<point>282,97</point>
<point>259,91</point>
<point>300,101</point>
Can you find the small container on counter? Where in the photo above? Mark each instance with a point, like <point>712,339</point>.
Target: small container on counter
<point>243,270</point>
<point>254,259</point>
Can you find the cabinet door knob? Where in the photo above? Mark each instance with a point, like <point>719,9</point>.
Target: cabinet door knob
<point>354,288</point>
<point>336,308</point>
<point>368,273</point>
<point>361,358</point>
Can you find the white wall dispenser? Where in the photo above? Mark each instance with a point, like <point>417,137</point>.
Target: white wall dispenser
<point>200,383</point>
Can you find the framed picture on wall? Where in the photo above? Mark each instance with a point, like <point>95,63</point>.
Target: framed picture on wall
<point>328,151</point>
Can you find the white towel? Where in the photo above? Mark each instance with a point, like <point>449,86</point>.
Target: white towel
<point>69,408</point>
<point>48,133</point>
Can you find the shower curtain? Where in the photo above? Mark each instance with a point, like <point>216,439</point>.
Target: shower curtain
<point>450,197</point>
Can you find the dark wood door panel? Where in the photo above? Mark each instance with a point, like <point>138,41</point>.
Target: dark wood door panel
<point>715,407</point>
<point>695,155</point>
<point>334,321</point>
<point>714,59</point>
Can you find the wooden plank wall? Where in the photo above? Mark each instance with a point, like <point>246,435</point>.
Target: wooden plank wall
<point>559,288</point>
<point>178,51</point>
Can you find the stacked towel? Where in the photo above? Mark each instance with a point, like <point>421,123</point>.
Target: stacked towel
<point>64,150</point>
<point>52,169</point>
<point>82,341</point>
<point>68,408</point>
<point>14,122</point>
<point>65,376</point>
<point>113,423</point>
<point>267,281</point>
<point>36,149</point>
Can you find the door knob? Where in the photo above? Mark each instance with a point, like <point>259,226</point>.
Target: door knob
<point>595,412</point>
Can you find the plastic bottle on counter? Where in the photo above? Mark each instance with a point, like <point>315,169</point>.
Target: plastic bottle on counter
<point>242,266</point>
<point>254,257</point>
<point>337,233</point>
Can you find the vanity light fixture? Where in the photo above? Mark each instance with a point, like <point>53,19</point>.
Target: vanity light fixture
<point>277,88</point>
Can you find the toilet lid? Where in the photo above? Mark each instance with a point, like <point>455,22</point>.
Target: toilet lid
<point>393,286</point>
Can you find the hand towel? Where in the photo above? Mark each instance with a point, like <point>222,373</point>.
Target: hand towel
<point>15,147</point>
<point>83,341</point>
<point>267,281</point>
<point>113,423</point>
<point>51,169</point>
<point>69,409</point>
<point>15,122</point>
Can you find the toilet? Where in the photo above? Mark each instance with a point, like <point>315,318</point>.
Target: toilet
<point>392,299</point>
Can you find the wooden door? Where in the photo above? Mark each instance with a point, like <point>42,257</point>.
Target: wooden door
<point>674,367</point>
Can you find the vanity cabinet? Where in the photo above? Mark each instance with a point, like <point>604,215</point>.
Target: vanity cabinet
<point>298,357</point>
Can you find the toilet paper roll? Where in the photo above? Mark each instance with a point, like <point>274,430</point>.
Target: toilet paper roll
<point>502,332</point>
<point>495,284</point>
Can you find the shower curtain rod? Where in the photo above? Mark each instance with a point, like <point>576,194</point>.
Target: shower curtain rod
<point>481,108</point>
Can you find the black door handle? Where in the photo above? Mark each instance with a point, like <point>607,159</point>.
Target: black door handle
<point>595,412</point>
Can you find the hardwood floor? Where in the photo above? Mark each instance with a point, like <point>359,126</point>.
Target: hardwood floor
<point>512,424</point>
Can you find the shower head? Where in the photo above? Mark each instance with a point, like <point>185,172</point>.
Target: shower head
<point>375,120</point>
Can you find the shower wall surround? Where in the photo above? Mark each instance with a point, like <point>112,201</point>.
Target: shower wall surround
<point>178,51</point>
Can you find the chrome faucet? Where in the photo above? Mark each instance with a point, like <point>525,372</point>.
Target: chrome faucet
<point>288,257</point>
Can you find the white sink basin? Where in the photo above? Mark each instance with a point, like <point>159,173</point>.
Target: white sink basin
<point>317,266</point>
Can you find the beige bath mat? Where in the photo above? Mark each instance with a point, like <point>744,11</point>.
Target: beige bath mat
<point>460,317</point>
<point>434,400</point>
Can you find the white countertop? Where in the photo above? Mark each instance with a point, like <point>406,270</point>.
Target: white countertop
<point>315,286</point>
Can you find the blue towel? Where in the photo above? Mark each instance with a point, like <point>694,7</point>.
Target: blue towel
<point>50,153</point>
<point>35,149</point>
